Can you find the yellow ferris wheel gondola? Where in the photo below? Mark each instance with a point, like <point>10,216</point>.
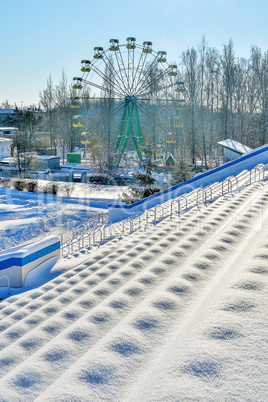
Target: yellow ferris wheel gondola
<point>74,102</point>
<point>173,70</point>
<point>171,138</point>
<point>179,86</point>
<point>77,83</point>
<point>86,140</point>
<point>85,66</point>
<point>114,45</point>
<point>178,123</point>
<point>159,150</point>
<point>131,43</point>
<point>147,47</point>
<point>182,104</point>
<point>98,52</point>
<point>161,56</point>
<point>77,121</point>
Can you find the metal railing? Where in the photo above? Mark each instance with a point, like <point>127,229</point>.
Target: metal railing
<point>178,202</point>
<point>203,192</point>
<point>103,232</point>
<point>258,172</point>
<point>229,181</point>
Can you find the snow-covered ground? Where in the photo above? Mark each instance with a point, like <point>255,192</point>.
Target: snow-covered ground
<point>174,313</point>
<point>25,215</point>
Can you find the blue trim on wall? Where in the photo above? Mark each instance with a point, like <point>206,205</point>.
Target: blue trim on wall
<point>20,262</point>
<point>251,154</point>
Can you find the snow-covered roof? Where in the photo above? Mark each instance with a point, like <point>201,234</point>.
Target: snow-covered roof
<point>235,146</point>
<point>46,157</point>
<point>5,140</point>
<point>8,160</point>
<point>8,128</point>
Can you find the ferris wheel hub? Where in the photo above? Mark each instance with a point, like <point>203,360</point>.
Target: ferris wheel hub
<point>131,98</point>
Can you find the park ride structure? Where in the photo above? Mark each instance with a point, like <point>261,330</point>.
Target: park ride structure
<point>129,94</point>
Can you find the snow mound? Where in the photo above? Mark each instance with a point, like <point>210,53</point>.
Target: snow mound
<point>177,312</point>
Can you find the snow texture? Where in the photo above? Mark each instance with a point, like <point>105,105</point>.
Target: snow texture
<point>174,313</point>
<point>24,215</point>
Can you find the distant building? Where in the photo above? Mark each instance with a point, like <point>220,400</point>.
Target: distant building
<point>233,149</point>
<point>170,161</point>
<point>43,162</point>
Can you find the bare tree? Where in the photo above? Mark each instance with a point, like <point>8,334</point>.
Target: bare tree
<point>190,67</point>
<point>47,100</point>
<point>259,65</point>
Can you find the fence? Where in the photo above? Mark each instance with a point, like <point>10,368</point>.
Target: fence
<point>102,232</point>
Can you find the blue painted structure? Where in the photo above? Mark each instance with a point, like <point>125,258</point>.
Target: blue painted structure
<point>17,262</point>
<point>119,211</point>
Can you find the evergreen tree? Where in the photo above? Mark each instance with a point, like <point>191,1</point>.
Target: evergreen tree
<point>148,166</point>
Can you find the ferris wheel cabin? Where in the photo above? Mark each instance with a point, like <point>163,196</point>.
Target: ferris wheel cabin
<point>131,43</point>
<point>179,86</point>
<point>161,56</point>
<point>77,83</point>
<point>159,150</point>
<point>173,70</point>
<point>77,121</point>
<point>98,52</point>
<point>114,45</point>
<point>74,102</point>
<point>178,123</point>
<point>86,140</point>
<point>171,138</point>
<point>182,104</point>
<point>85,66</point>
<point>147,47</point>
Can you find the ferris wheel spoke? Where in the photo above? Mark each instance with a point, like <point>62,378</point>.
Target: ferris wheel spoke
<point>110,67</point>
<point>122,69</point>
<point>103,107</point>
<point>157,91</point>
<point>96,124</point>
<point>93,84</point>
<point>151,115</point>
<point>140,69</point>
<point>160,110</point>
<point>113,86</point>
<point>115,119</point>
<point>146,74</point>
<point>156,79</point>
<point>130,67</point>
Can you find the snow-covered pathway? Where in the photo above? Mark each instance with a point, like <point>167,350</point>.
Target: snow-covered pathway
<point>174,313</point>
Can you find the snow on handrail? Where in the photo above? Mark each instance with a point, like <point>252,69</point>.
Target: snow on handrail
<point>259,169</point>
<point>104,232</point>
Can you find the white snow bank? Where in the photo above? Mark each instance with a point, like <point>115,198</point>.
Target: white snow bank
<point>17,262</point>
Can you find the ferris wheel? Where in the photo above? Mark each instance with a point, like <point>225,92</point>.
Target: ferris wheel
<point>128,93</point>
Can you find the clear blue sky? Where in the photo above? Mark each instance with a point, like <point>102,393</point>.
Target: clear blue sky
<point>39,38</point>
